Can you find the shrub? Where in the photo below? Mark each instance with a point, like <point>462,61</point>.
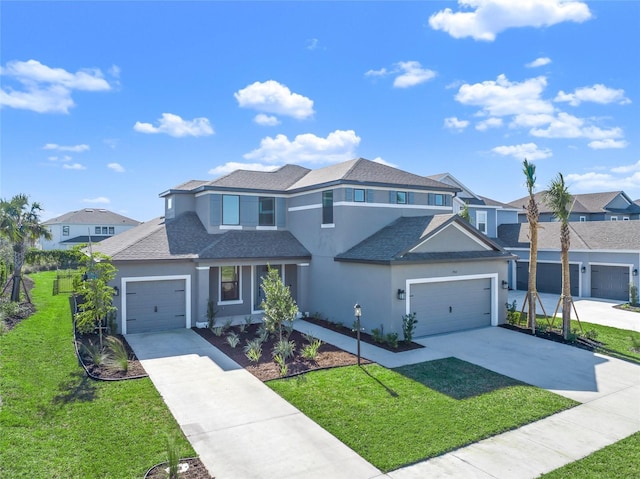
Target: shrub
<point>591,334</point>
<point>253,350</point>
<point>218,331</point>
<point>211,314</point>
<point>572,336</point>
<point>633,294</point>
<point>4,329</point>
<point>377,334</point>
<point>233,339</point>
<point>513,316</point>
<point>281,362</point>
<point>11,309</point>
<point>391,339</point>
<point>408,326</point>
<point>119,358</point>
<point>95,353</point>
<point>173,457</point>
<point>310,351</point>
<point>635,342</point>
<point>284,349</point>
<point>262,333</point>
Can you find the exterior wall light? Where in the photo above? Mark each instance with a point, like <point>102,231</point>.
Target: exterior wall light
<point>635,271</point>
<point>505,284</point>
<point>583,269</point>
<point>116,291</point>
<point>401,294</point>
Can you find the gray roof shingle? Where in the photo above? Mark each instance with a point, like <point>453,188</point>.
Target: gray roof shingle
<point>582,203</point>
<point>92,216</point>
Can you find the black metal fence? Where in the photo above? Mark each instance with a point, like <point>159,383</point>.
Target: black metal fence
<point>64,281</point>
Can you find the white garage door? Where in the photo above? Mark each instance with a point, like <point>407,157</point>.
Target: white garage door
<point>448,306</point>
<point>155,305</point>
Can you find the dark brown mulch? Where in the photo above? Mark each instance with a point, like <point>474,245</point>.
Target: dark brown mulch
<point>328,356</point>
<point>196,470</point>
<point>134,368</point>
<point>556,336</point>
<point>365,337</point>
<point>26,309</point>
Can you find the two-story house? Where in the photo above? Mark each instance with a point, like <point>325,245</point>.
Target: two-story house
<point>354,232</point>
<point>78,227</point>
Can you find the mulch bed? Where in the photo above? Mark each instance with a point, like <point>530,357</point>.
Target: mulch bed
<point>25,310</point>
<point>196,470</point>
<point>102,371</point>
<point>628,307</point>
<point>364,337</point>
<point>556,336</point>
<point>266,369</point>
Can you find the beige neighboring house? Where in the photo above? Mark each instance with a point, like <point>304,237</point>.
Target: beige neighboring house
<point>78,227</point>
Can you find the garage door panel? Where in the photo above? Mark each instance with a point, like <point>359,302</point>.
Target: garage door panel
<point>448,306</point>
<point>155,305</point>
<point>548,277</point>
<point>610,282</point>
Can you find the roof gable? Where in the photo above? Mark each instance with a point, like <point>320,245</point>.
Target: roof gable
<point>92,216</point>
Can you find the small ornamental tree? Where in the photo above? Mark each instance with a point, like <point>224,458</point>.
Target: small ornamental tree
<point>278,305</point>
<point>96,293</point>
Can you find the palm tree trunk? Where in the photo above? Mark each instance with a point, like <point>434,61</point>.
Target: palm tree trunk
<point>533,265</point>
<point>566,280</point>
<point>18,261</point>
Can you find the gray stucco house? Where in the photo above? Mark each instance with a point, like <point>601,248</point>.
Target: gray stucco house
<point>354,232</point>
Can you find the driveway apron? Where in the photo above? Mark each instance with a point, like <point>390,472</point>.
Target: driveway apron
<point>237,425</point>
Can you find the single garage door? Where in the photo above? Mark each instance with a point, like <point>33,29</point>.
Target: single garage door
<point>610,282</point>
<point>548,277</point>
<point>447,306</point>
<point>155,305</point>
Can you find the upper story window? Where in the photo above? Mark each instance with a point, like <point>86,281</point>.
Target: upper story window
<point>169,202</point>
<point>266,211</point>
<point>229,283</point>
<point>401,197</point>
<point>230,210</point>
<point>439,199</point>
<point>583,218</point>
<point>359,195</point>
<point>327,207</point>
<point>105,230</point>
<point>614,218</point>
<point>65,231</point>
<point>481,221</point>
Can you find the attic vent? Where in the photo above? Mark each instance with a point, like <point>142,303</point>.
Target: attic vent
<point>89,210</point>
<point>102,210</point>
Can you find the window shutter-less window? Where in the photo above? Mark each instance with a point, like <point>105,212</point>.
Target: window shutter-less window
<point>392,197</point>
<point>348,194</point>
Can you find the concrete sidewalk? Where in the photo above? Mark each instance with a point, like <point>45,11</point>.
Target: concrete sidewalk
<point>242,429</point>
<point>236,424</point>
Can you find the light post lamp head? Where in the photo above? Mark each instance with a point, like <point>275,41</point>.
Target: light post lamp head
<point>357,310</point>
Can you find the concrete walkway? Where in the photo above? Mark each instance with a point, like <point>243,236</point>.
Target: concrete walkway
<point>241,429</point>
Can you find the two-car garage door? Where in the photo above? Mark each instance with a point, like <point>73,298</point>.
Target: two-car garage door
<point>447,306</point>
<point>155,305</point>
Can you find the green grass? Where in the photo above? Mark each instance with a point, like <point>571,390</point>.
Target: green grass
<point>620,460</point>
<point>397,417</point>
<point>617,343</point>
<point>57,423</point>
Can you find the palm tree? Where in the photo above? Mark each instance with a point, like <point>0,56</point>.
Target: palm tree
<point>533,214</point>
<point>559,201</point>
<point>20,225</point>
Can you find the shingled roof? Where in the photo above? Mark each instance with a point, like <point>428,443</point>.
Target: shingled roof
<point>585,235</point>
<point>392,243</point>
<point>582,203</point>
<point>186,238</point>
<point>91,216</point>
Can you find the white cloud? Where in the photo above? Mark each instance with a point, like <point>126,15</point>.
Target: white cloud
<point>564,125</point>
<point>44,89</point>
<point>233,166</point>
<point>382,161</point>
<point>99,199</point>
<point>592,181</point>
<point>412,74</point>
<point>408,74</point>
<point>266,120</point>
<point>312,44</point>
<point>627,168</point>
<point>539,62</point>
<point>59,158</point>
<point>454,124</point>
<point>503,97</point>
<point>74,166</point>
<point>492,122</point>
<point>74,148</point>
<point>607,143</point>
<point>597,93</point>
<point>273,97</point>
<point>338,146</point>
<point>117,167</point>
<point>483,19</point>
<point>525,150</point>
<point>175,126</point>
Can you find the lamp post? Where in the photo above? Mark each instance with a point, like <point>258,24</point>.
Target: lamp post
<point>357,310</point>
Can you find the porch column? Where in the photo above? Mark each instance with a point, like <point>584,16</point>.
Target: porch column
<point>202,292</point>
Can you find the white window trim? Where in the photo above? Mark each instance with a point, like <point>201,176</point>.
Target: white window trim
<point>232,301</point>
<point>583,219</point>
<point>486,221</point>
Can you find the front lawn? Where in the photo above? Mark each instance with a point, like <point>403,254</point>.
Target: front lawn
<point>397,417</point>
<point>618,343</point>
<point>57,423</point>
<point>620,460</point>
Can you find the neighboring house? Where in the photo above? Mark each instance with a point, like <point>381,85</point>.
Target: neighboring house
<point>604,257</point>
<point>77,227</point>
<point>354,232</point>
<point>610,206</point>
<point>484,213</point>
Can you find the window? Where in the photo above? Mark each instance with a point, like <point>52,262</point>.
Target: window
<point>230,210</point>
<point>614,218</point>
<point>481,220</point>
<point>104,230</point>
<point>229,283</point>
<point>583,219</point>
<point>65,231</point>
<point>266,211</point>
<point>358,196</point>
<point>112,230</point>
<point>401,197</point>
<point>625,218</point>
<point>97,230</point>
<point>438,199</point>
<point>169,202</point>
<point>327,207</point>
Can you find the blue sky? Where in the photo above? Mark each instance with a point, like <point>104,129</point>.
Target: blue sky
<point>107,104</point>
